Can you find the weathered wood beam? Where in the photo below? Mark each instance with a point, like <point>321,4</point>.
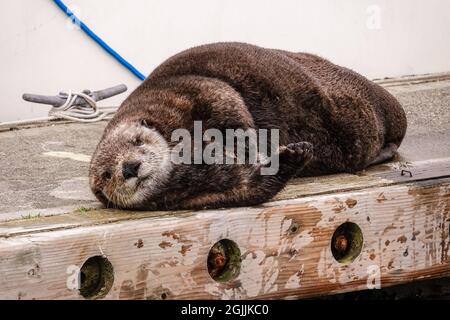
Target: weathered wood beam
<point>285,246</point>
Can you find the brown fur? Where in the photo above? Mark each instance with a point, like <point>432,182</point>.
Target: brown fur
<point>349,120</point>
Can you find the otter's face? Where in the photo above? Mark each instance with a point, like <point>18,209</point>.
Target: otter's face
<point>130,165</point>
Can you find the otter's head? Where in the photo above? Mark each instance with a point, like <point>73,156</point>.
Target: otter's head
<point>130,164</point>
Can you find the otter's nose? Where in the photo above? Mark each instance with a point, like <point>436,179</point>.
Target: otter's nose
<point>130,169</point>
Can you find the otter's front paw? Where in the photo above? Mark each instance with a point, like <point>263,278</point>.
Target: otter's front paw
<point>296,154</point>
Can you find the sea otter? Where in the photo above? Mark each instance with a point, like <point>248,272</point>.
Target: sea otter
<point>329,119</point>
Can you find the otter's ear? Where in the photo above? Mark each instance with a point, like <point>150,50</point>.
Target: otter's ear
<point>145,123</point>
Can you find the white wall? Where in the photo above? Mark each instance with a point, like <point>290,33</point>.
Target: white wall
<point>42,53</point>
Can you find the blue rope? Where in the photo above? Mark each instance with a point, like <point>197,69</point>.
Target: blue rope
<point>97,39</point>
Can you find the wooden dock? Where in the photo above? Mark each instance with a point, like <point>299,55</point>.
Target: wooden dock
<point>324,235</point>
<point>286,248</point>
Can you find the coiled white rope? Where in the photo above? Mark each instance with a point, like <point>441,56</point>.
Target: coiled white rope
<point>88,112</point>
<point>78,107</point>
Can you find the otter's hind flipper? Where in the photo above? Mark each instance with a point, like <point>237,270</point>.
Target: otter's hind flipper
<point>387,153</point>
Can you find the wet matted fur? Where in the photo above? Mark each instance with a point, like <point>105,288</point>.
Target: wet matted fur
<point>330,120</point>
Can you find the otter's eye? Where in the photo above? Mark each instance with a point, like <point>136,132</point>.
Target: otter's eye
<point>106,175</point>
<point>137,142</point>
<point>144,123</point>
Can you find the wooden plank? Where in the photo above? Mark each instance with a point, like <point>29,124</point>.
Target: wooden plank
<point>377,176</point>
<point>405,228</point>
<point>413,80</point>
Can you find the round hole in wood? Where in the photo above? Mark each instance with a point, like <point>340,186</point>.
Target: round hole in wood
<point>294,227</point>
<point>96,278</point>
<point>224,261</point>
<point>347,242</point>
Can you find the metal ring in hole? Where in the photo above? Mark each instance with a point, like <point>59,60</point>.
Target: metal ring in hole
<point>347,242</point>
<point>224,261</point>
<point>96,278</point>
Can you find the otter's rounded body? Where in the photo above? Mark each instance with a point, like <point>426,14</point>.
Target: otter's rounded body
<point>330,119</point>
